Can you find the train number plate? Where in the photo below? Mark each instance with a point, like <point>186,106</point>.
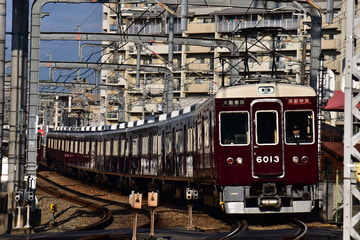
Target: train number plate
<point>267,159</point>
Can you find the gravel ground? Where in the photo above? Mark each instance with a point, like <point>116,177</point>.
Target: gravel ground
<point>70,216</point>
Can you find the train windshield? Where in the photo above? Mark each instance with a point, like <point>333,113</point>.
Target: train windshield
<point>234,128</point>
<point>299,126</point>
<point>266,127</point>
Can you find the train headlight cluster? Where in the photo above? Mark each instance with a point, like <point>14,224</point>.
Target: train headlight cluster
<point>230,160</point>
<point>266,90</point>
<point>304,159</point>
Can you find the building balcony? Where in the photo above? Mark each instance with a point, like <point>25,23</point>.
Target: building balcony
<point>161,49</point>
<point>197,88</point>
<point>152,29</point>
<point>197,49</point>
<point>118,81</point>
<point>231,26</point>
<point>149,108</point>
<point>201,28</point>
<point>200,67</point>
<point>112,116</point>
<point>328,44</point>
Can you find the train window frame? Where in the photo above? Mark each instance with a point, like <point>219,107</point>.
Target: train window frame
<point>276,130</point>
<point>222,140</point>
<point>300,124</point>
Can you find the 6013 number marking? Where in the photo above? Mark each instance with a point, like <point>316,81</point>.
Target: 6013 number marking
<point>267,159</point>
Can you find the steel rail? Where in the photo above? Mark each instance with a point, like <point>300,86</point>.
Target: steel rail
<point>106,217</point>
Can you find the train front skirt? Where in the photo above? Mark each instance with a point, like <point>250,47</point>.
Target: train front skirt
<point>238,200</point>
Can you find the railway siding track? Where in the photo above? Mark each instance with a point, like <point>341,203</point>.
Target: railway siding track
<point>93,210</point>
<point>123,214</point>
<point>302,229</point>
<point>167,216</point>
<point>105,214</point>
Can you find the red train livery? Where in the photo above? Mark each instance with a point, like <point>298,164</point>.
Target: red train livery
<point>251,148</point>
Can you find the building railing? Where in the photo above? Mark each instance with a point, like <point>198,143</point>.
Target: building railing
<point>223,26</point>
<point>230,26</point>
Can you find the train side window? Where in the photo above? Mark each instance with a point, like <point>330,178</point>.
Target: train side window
<point>39,140</point>
<point>108,148</point>
<point>266,127</point>
<point>303,122</point>
<point>87,147</point>
<point>144,146</point>
<point>115,147</point>
<point>81,147</point>
<point>234,128</point>
<point>99,148</point>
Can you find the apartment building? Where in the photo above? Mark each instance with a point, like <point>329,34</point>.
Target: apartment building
<point>270,46</point>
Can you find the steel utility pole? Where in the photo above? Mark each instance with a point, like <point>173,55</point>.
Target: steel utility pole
<point>350,139</point>
<point>19,57</point>
<point>3,187</point>
<point>2,75</point>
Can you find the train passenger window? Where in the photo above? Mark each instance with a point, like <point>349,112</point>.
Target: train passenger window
<point>234,128</point>
<point>266,127</point>
<point>108,148</point>
<point>87,147</point>
<point>299,126</point>
<point>116,147</point>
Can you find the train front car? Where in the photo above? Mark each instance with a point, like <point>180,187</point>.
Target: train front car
<point>266,148</point>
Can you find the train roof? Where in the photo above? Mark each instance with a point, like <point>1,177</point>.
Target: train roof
<point>131,124</point>
<point>266,89</point>
<point>243,91</point>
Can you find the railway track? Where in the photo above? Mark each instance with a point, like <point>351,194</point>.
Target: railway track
<point>105,214</point>
<point>99,204</point>
<point>123,213</point>
<point>302,229</point>
<point>242,226</point>
<point>167,216</point>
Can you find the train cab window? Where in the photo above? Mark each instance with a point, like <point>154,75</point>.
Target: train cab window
<point>266,127</point>
<point>234,128</point>
<point>299,126</point>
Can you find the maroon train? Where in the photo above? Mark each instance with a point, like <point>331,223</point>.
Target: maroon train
<point>236,149</point>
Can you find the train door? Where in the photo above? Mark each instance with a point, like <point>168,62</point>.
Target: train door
<point>267,144</point>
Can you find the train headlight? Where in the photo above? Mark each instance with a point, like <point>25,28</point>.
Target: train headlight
<point>266,90</point>
<point>305,159</point>
<point>239,160</point>
<point>295,159</point>
<point>230,160</point>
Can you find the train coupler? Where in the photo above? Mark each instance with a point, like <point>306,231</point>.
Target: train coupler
<point>269,202</point>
